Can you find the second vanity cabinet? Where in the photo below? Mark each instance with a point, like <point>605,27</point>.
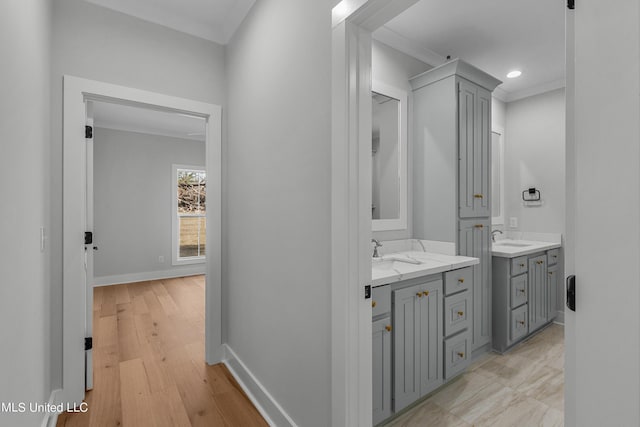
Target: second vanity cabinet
<point>524,296</point>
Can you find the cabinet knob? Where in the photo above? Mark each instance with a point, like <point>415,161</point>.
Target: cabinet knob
<point>554,256</point>
<point>419,294</point>
<point>461,280</point>
<point>461,313</point>
<point>521,322</point>
<point>478,196</point>
<point>426,293</point>
<point>388,328</point>
<point>479,226</point>
<point>460,354</point>
<point>551,273</point>
<point>521,290</point>
<point>373,303</point>
<point>521,265</point>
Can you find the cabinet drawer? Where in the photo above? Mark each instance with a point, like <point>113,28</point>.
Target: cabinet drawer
<point>457,355</point>
<point>457,313</point>
<point>457,280</point>
<point>519,265</point>
<point>519,323</point>
<point>553,256</point>
<point>381,300</point>
<point>519,291</point>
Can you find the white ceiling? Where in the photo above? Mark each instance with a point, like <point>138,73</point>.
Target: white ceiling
<point>496,36</point>
<point>144,120</point>
<point>214,20</point>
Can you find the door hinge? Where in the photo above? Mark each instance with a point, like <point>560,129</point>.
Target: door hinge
<point>571,4</point>
<point>88,343</point>
<point>367,291</point>
<point>88,237</point>
<point>88,132</point>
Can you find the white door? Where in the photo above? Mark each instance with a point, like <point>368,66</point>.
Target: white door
<point>603,213</point>
<point>89,247</point>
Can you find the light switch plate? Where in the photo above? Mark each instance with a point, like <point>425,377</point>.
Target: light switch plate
<point>513,222</point>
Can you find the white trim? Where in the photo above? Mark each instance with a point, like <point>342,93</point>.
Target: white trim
<point>400,43</point>
<point>176,260</point>
<point>499,220</point>
<point>118,279</point>
<point>51,418</point>
<point>559,317</point>
<point>402,96</point>
<point>536,90</point>
<point>258,394</point>
<point>75,92</point>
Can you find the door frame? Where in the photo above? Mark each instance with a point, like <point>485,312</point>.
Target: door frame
<point>353,22</point>
<point>74,304</point>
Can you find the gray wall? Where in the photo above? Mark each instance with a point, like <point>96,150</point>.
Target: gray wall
<point>277,210</point>
<point>25,28</point>
<point>535,156</point>
<point>100,44</point>
<point>132,200</point>
<point>394,68</point>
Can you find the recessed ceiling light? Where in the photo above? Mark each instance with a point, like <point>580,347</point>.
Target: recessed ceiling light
<point>513,74</point>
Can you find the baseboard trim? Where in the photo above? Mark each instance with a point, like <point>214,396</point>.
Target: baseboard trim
<point>559,318</point>
<point>51,418</point>
<point>268,407</point>
<point>118,279</point>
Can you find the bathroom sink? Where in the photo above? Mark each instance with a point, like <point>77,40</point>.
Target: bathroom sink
<point>512,244</point>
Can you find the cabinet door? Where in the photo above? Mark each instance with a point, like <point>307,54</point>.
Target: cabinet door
<point>474,150</point>
<point>406,346</point>
<point>381,369</point>
<point>467,94</point>
<point>537,292</point>
<point>552,292</point>
<point>431,333</point>
<point>473,241</point>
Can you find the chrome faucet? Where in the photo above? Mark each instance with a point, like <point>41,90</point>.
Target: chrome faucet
<point>375,248</point>
<point>493,235</point>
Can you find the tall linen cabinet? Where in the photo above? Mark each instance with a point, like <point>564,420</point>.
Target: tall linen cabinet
<point>452,172</point>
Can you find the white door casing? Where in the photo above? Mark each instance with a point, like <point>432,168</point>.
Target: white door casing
<point>75,301</point>
<point>88,248</point>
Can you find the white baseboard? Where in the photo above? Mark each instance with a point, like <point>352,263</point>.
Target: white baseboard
<point>51,418</point>
<point>118,279</point>
<point>559,318</point>
<point>268,407</point>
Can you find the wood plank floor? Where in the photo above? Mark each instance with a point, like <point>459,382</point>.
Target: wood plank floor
<point>148,359</point>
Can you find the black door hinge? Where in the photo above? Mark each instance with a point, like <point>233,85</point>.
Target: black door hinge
<point>88,132</point>
<point>88,237</point>
<point>571,4</point>
<point>367,292</point>
<point>88,343</point>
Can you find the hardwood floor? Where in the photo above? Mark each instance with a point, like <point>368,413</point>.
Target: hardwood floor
<point>524,387</point>
<point>148,358</point>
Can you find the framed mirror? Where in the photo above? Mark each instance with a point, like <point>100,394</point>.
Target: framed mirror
<point>389,158</point>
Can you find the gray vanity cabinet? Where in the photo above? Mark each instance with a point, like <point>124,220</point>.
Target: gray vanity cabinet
<point>417,347</point>
<point>474,130</point>
<point>552,292</point>
<point>474,241</point>
<point>381,369</point>
<point>538,302</point>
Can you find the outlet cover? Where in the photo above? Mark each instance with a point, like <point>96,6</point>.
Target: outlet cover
<point>160,259</point>
<point>513,222</point>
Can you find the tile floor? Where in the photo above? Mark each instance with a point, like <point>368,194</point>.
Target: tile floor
<point>524,387</point>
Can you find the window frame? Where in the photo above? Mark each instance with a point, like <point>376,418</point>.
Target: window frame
<point>176,259</point>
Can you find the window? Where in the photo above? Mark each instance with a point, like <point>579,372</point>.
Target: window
<point>189,214</point>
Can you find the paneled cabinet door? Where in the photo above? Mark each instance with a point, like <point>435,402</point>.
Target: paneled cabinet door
<point>552,292</point>
<point>538,302</point>
<point>417,319</point>
<point>474,236</point>
<point>381,370</point>
<point>474,144</point>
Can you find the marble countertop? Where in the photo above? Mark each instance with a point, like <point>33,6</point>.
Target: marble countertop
<point>398,266</point>
<point>511,248</point>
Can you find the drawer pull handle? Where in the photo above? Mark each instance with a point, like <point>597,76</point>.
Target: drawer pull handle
<point>521,290</point>
<point>478,196</point>
<point>554,256</point>
<point>521,265</point>
<point>521,322</point>
<point>461,313</point>
<point>479,226</point>
<point>460,354</point>
<point>461,280</point>
<point>551,273</point>
<point>419,294</point>
<point>388,328</point>
<point>373,303</point>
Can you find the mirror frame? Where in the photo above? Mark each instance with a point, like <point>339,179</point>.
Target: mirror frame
<point>402,96</point>
<point>499,219</point>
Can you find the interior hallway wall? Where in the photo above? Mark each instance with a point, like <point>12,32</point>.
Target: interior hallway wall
<point>100,44</point>
<point>25,32</point>
<point>133,206</point>
<point>278,210</point>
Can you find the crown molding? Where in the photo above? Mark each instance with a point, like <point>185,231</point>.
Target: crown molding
<point>404,45</point>
<point>535,90</point>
